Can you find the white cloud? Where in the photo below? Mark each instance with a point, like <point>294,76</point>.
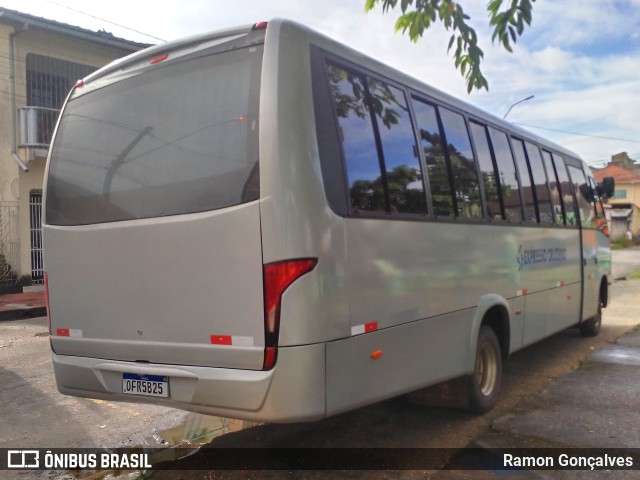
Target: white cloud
<point>580,59</point>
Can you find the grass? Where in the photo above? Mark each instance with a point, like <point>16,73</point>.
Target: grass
<point>634,275</point>
<point>618,244</point>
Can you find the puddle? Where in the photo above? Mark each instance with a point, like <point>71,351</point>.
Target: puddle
<point>617,354</point>
<point>195,431</point>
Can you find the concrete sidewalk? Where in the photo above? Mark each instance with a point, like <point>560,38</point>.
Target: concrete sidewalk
<point>594,407</point>
<point>14,306</point>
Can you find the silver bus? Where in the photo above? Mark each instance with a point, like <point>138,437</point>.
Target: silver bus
<point>262,223</point>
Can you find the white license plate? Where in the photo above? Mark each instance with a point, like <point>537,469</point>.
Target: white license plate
<point>148,385</point>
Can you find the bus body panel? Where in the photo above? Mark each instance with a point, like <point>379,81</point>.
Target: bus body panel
<point>295,220</point>
<point>400,271</point>
<point>252,395</point>
<point>412,356</point>
<point>158,290</point>
<point>564,308</point>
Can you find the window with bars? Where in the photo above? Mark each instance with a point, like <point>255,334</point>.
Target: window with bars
<point>35,229</point>
<point>48,82</point>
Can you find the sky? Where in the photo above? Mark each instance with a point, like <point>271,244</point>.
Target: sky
<point>580,59</point>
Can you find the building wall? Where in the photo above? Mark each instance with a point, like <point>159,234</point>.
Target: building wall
<point>8,166</point>
<point>633,194</point>
<point>15,184</point>
<point>632,199</point>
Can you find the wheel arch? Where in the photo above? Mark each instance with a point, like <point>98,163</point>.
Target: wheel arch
<point>493,311</point>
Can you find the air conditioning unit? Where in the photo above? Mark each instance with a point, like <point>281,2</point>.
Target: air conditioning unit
<point>36,126</point>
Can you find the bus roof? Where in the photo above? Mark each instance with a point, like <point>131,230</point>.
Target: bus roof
<point>339,49</point>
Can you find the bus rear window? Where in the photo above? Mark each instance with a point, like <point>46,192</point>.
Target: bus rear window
<point>174,139</point>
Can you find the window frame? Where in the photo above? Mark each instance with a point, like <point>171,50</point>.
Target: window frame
<point>333,160</point>
<point>364,73</point>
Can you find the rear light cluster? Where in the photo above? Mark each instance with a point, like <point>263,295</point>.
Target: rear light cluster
<point>277,278</point>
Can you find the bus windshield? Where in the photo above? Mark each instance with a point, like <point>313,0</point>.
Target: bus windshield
<point>173,139</point>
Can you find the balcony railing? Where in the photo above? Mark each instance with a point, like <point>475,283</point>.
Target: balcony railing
<point>36,126</point>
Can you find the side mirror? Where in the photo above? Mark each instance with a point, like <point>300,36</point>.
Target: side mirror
<point>606,188</point>
<point>587,192</point>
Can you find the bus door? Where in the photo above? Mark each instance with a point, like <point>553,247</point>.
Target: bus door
<point>589,246</point>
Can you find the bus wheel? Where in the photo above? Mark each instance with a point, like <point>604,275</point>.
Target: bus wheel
<point>485,382</point>
<point>591,327</point>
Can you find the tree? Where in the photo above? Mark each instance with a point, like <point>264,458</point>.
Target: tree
<point>418,15</point>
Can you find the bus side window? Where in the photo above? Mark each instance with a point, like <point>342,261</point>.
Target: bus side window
<point>565,190</point>
<point>540,182</point>
<point>600,216</point>
<point>378,144</point>
<point>530,214</point>
<point>488,171</point>
<point>508,175</point>
<point>364,175</point>
<point>558,211</point>
<point>585,207</point>
<point>400,162</point>
<point>463,165</point>
<point>431,141</point>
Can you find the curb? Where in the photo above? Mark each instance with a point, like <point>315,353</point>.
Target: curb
<point>23,313</point>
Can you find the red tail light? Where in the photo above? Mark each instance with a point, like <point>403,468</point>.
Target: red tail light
<point>46,300</point>
<point>277,278</point>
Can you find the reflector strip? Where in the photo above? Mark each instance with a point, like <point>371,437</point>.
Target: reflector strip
<point>365,328</point>
<point>236,340</point>
<point>522,292</point>
<point>69,332</point>
<point>560,284</point>
<point>221,340</point>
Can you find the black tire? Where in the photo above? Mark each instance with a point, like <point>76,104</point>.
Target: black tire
<point>591,327</point>
<point>486,381</point>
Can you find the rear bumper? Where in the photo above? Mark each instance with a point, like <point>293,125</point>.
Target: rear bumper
<point>293,391</point>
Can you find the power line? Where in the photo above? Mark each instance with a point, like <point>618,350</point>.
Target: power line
<point>602,137</point>
<point>103,20</point>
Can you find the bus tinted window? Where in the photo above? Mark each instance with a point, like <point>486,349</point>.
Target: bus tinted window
<point>364,176</point>
<point>565,190</point>
<point>580,187</point>
<point>487,171</point>
<point>162,149</point>
<point>556,201</point>
<point>402,166</point>
<point>540,182</point>
<point>463,166</point>
<point>507,174</point>
<point>431,142</point>
<point>525,182</point>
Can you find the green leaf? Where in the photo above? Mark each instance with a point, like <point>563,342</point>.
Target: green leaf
<point>508,20</point>
<point>369,4</point>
